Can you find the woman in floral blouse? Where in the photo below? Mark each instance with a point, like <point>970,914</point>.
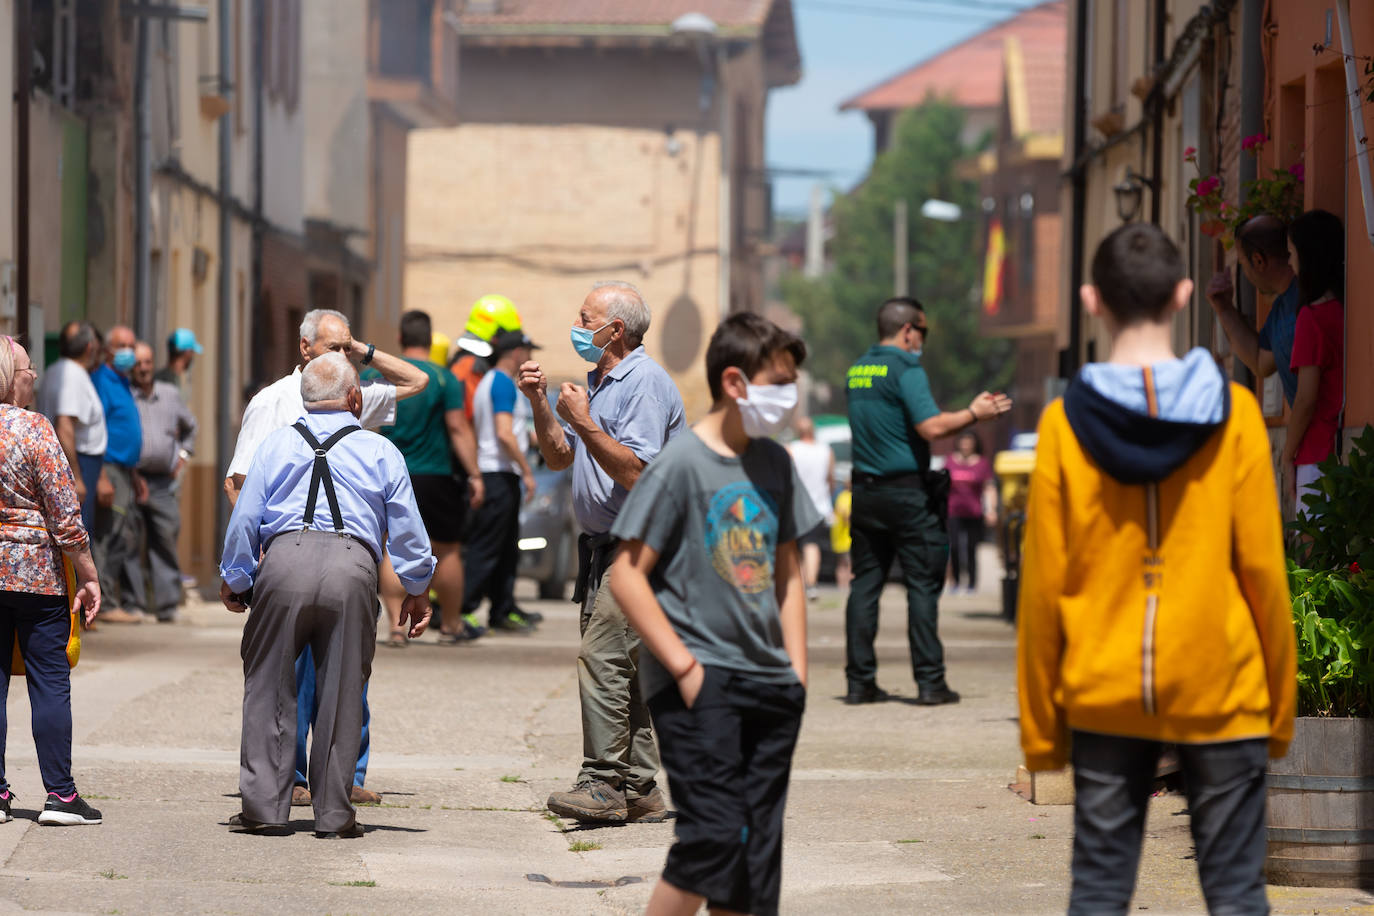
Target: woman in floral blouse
<point>40,523</point>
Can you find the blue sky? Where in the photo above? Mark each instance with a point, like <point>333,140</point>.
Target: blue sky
<point>842,54</point>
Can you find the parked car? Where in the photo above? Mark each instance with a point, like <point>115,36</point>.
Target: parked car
<point>548,534</point>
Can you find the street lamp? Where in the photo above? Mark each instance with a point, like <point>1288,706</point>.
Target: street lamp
<point>701,30</point>
<point>1129,192</point>
<point>942,211</point>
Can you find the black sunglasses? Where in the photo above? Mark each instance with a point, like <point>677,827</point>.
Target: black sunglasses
<point>924,329</point>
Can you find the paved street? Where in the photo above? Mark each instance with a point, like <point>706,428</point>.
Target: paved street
<point>894,808</point>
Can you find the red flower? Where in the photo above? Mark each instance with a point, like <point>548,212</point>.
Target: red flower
<point>1355,566</point>
<point>1213,228</point>
<point>1190,152</point>
<point>1208,185</point>
<point>1297,171</point>
<point>1254,141</point>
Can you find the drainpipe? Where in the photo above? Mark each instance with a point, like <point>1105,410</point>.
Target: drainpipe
<point>1251,123</point>
<point>143,179</point>
<point>1157,141</point>
<point>1070,358</point>
<point>224,350</point>
<point>258,368</point>
<point>23,70</point>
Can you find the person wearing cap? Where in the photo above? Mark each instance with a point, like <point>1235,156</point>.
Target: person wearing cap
<point>609,433</point>
<point>182,348</point>
<point>501,419</point>
<point>472,356</point>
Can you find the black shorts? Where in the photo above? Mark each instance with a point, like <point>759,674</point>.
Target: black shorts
<point>728,759</point>
<point>443,502</point>
<point>820,536</point>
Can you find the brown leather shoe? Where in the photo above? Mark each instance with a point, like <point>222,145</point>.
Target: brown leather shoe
<point>647,809</point>
<point>119,615</point>
<point>300,797</point>
<point>361,796</point>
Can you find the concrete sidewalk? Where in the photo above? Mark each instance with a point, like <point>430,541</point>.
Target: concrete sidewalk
<point>894,808</point>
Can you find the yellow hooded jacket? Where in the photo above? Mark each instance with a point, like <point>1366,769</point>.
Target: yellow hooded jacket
<point>1154,597</point>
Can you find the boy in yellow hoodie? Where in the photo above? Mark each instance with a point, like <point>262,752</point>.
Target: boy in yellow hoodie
<point>1154,602</point>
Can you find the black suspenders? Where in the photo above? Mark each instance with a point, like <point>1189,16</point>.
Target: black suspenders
<point>321,476</point>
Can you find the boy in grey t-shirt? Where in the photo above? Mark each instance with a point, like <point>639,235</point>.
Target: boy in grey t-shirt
<point>709,577</point>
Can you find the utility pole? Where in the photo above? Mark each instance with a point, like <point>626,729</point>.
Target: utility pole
<point>815,234</point>
<point>900,280</point>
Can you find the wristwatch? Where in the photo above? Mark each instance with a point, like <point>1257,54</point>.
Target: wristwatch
<point>371,349</point>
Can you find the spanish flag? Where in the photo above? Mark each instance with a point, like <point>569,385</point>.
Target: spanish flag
<point>994,267</point>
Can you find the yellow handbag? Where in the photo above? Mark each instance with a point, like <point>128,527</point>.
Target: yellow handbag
<point>74,615</point>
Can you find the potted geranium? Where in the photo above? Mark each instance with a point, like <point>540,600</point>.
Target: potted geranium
<point>1278,194</point>
<point>1321,796</point>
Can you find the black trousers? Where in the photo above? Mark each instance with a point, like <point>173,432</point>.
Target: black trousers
<point>965,534</point>
<point>1112,778</point>
<point>729,760</point>
<point>491,556</point>
<point>888,522</point>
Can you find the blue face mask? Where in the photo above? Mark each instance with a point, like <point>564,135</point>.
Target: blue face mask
<point>582,343</point>
<point>124,360</point>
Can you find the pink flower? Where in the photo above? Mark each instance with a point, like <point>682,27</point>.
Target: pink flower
<point>1297,171</point>
<point>1208,185</point>
<point>1254,141</point>
<point>1225,207</point>
<point>1190,152</point>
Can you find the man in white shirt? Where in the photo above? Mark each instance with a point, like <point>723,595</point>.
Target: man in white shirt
<point>501,419</point>
<point>815,464</point>
<point>280,404</point>
<point>68,398</point>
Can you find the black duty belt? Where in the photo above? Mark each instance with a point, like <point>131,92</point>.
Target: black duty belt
<point>907,479</point>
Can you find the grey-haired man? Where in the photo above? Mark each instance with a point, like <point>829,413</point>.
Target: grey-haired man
<point>611,429</point>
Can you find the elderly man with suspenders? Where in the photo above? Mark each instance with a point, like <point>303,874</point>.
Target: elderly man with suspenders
<point>316,586</point>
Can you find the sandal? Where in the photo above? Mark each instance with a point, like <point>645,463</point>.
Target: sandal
<point>398,640</point>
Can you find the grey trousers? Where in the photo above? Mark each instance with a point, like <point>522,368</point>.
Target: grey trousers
<point>1112,779</point>
<point>113,540</point>
<point>316,589</point>
<point>617,736</point>
<point>157,524</point>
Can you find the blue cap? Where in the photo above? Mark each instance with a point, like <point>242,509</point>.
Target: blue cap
<point>185,339</point>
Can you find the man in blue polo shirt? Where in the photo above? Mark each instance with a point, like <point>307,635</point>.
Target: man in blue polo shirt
<point>1263,243</point>
<point>120,488</point>
<point>898,505</point>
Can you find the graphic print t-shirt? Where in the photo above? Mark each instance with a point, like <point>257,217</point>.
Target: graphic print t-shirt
<point>716,523</point>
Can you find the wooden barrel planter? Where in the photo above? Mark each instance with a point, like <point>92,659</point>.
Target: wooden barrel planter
<point>1321,806</point>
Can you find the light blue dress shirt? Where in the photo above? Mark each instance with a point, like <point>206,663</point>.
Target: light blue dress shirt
<point>638,406</point>
<point>373,488</point>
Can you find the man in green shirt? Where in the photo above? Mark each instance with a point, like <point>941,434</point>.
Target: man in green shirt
<point>896,503</point>
<point>430,429</point>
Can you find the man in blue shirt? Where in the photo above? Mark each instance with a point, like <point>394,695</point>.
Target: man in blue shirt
<point>120,488</point>
<point>1263,245</point>
<point>321,500</point>
<point>610,431</point>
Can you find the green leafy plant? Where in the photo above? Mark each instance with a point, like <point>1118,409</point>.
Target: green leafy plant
<point>1279,194</point>
<point>1331,578</point>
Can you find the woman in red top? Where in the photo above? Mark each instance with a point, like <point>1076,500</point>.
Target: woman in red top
<point>1316,249</point>
<point>40,521</point>
<point>971,497</point>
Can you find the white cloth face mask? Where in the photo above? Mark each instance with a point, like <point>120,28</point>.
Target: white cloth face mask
<point>767,409</point>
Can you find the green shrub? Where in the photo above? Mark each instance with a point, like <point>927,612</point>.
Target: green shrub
<point>1331,579</point>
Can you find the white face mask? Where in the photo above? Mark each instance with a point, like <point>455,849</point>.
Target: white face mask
<point>767,409</point>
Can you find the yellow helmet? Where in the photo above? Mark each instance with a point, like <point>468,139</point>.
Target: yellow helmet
<point>490,314</point>
<point>438,348</point>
